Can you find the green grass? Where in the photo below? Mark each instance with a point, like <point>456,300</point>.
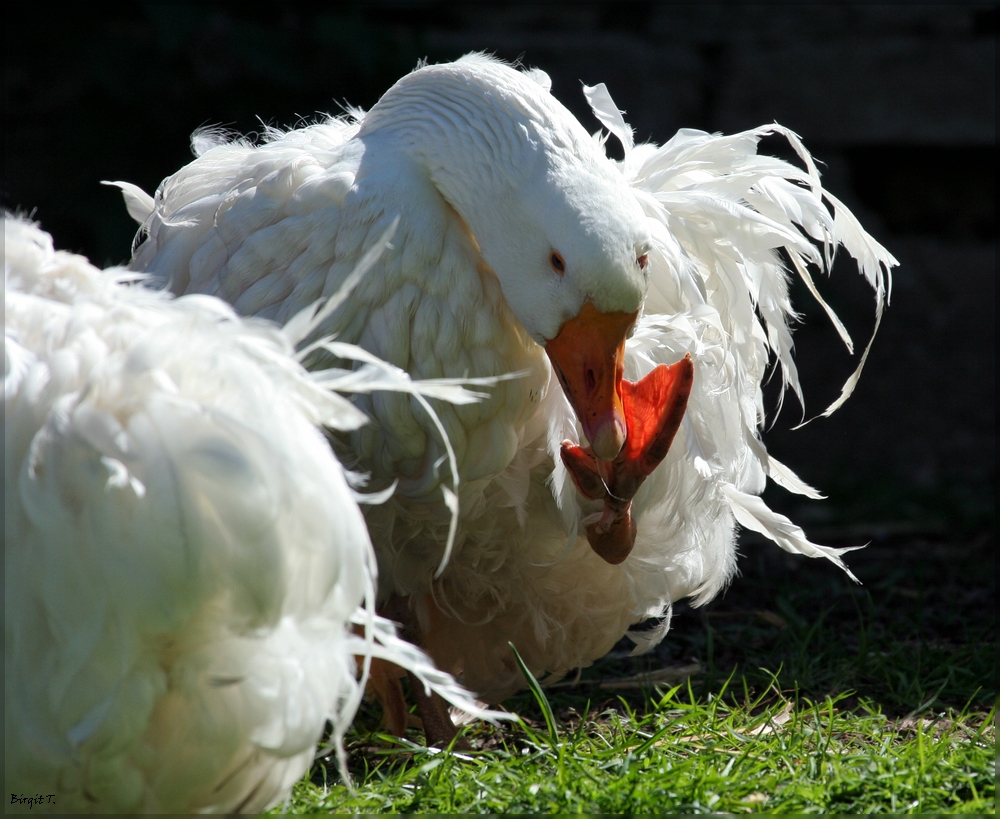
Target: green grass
<point>813,695</point>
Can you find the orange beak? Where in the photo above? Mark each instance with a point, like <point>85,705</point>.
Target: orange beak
<point>588,355</point>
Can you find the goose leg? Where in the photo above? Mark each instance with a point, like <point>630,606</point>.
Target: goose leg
<point>439,730</point>
<point>384,681</point>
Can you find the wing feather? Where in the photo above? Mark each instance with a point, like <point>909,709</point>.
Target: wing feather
<point>721,215</point>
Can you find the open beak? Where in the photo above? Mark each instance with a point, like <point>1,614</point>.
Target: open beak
<point>589,358</point>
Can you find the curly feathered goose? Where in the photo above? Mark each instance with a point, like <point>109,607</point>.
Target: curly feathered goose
<point>187,576</point>
<point>523,249</point>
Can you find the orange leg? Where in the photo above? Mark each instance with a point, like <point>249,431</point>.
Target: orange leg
<point>385,682</point>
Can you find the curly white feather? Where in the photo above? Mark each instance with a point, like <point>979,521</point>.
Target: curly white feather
<point>185,564</point>
<point>720,213</point>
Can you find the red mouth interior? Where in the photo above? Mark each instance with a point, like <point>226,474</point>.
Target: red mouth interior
<point>654,407</point>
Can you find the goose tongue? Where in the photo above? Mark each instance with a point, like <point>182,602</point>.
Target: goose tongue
<point>653,408</point>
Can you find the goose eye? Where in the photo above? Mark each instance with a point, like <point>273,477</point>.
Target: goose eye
<point>642,260</point>
<point>557,263</point>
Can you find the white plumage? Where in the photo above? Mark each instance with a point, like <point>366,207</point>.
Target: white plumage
<point>188,576</point>
<point>514,226</point>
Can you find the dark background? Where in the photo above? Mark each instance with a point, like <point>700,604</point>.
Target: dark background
<point>897,101</point>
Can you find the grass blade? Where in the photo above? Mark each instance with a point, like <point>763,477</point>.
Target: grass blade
<point>540,698</point>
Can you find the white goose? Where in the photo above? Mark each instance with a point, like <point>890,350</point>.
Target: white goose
<point>187,575</point>
<point>523,249</point>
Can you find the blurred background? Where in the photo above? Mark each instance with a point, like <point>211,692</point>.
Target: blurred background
<point>897,102</point>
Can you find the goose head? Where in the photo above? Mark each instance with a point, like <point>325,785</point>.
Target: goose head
<point>551,215</point>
